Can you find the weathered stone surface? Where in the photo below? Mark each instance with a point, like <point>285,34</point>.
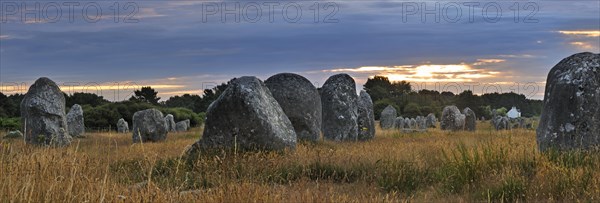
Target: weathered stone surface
<point>181,126</point>
<point>246,117</point>
<point>122,126</point>
<point>470,119</point>
<point>413,123</point>
<point>571,115</point>
<point>452,119</point>
<point>399,123</point>
<point>431,120</point>
<point>13,134</point>
<point>421,122</point>
<point>387,118</point>
<point>301,102</point>
<point>502,123</point>
<point>43,115</point>
<point>366,117</point>
<point>338,97</point>
<point>170,123</point>
<point>407,123</point>
<point>75,121</point>
<point>149,126</point>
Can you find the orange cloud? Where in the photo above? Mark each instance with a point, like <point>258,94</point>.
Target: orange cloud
<point>584,33</point>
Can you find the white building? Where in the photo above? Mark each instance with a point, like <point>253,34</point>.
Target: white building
<point>513,113</point>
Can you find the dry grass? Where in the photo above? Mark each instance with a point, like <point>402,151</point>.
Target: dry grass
<point>436,166</point>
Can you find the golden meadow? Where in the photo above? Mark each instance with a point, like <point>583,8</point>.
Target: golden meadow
<point>485,165</point>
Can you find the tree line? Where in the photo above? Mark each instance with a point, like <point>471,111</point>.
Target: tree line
<point>420,103</point>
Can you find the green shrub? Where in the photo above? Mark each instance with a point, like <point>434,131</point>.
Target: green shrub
<point>10,123</point>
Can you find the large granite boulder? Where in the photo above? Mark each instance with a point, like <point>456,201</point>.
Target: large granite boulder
<point>300,101</point>
<point>431,120</point>
<point>181,126</point>
<point>75,121</point>
<point>571,115</point>
<point>170,123</point>
<point>387,118</point>
<point>366,117</point>
<point>340,112</point>
<point>246,117</point>
<point>470,119</point>
<point>43,115</point>
<point>122,126</point>
<point>149,126</point>
<point>187,123</point>
<point>451,119</point>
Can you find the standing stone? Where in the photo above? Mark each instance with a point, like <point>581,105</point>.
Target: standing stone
<point>301,102</point>
<point>387,118</point>
<point>470,119</point>
<point>502,123</point>
<point>431,120</point>
<point>421,122</point>
<point>413,123</point>
<point>43,115</point>
<point>406,123</point>
<point>181,126</point>
<point>366,117</point>
<point>122,126</point>
<point>246,117</point>
<point>338,97</point>
<point>149,126</point>
<point>451,119</point>
<point>13,134</point>
<point>571,115</point>
<point>399,123</point>
<point>187,123</point>
<point>170,123</point>
<point>75,121</point>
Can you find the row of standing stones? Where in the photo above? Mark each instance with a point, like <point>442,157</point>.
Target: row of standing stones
<point>286,108</point>
<point>253,115</point>
<point>45,122</point>
<point>389,120</point>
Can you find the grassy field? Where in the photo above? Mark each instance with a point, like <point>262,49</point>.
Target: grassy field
<point>485,165</point>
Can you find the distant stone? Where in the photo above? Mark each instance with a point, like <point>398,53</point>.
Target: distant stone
<point>43,115</point>
<point>421,122</point>
<point>170,123</point>
<point>452,119</point>
<point>571,115</point>
<point>399,123</point>
<point>181,126</point>
<point>406,123</point>
<point>413,123</point>
<point>340,112</point>
<point>430,120</point>
<point>301,102</point>
<point>502,123</point>
<point>149,126</point>
<point>387,118</point>
<point>470,119</point>
<point>187,122</point>
<point>122,126</point>
<point>246,117</point>
<point>13,134</point>
<point>75,121</point>
<point>366,117</point>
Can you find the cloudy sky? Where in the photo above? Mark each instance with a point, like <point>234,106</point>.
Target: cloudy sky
<point>177,47</point>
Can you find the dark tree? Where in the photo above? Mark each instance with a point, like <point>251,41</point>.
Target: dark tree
<point>85,99</point>
<point>146,94</point>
